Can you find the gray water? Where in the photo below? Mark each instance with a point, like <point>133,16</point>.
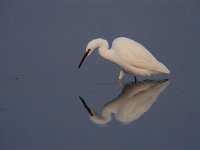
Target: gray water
<point>41,44</point>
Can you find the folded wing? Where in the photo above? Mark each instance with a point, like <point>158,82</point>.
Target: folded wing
<point>135,54</point>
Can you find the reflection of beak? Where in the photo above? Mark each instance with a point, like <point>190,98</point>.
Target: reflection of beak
<point>85,105</point>
<point>82,60</point>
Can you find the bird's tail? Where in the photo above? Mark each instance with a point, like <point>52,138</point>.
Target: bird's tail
<point>164,69</point>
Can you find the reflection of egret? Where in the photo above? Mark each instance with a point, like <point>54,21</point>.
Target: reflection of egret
<point>129,55</point>
<point>131,104</point>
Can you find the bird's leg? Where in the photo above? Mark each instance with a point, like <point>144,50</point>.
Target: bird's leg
<point>121,84</point>
<point>121,75</point>
<point>135,79</point>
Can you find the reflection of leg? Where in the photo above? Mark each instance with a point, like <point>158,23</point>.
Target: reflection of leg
<point>121,75</point>
<point>135,79</point>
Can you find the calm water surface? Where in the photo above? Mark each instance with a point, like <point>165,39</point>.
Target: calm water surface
<point>41,44</point>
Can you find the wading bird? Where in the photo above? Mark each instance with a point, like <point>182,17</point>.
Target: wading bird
<point>134,100</point>
<point>129,55</point>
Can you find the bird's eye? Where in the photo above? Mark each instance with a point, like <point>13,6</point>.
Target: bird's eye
<point>88,49</point>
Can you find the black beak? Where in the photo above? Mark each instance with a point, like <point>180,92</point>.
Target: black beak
<point>85,105</point>
<point>82,60</point>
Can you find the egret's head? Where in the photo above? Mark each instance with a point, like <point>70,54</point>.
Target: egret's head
<point>94,116</point>
<point>92,45</point>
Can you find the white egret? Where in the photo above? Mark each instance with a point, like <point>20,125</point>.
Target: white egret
<point>131,104</point>
<point>129,55</point>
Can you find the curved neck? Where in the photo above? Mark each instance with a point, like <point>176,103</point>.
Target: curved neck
<point>103,46</point>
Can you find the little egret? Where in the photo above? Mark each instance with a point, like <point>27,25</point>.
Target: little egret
<point>133,101</point>
<point>129,55</point>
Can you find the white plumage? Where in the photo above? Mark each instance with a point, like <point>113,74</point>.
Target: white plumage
<point>129,55</point>
<point>134,100</point>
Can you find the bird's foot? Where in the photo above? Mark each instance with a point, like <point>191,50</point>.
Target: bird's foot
<point>135,79</point>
